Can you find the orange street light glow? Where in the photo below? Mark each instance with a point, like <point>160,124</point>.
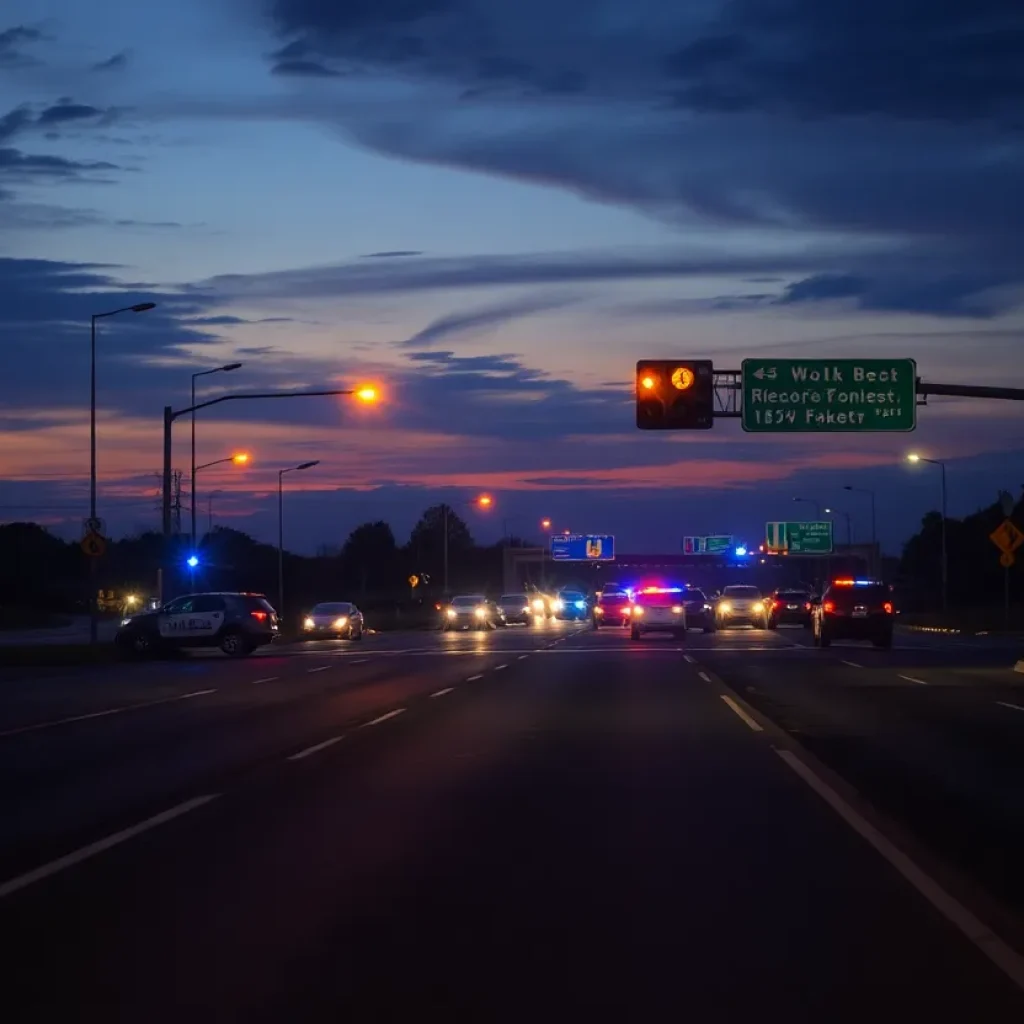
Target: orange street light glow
<point>485,501</point>
<point>240,459</point>
<point>367,393</point>
<point>545,524</point>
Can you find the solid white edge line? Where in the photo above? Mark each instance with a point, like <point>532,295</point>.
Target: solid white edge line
<point>498,668</point>
<point>441,693</point>
<point>382,718</point>
<point>978,933</point>
<point>911,679</point>
<point>473,679</point>
<point>315,749</point>
<point>319,668</point>
<point>105,713</point>
<point>852,664</point>
<point>269,679</point>
<point>71,859</point>
<point>741,713</point>
<point>1006,704</point>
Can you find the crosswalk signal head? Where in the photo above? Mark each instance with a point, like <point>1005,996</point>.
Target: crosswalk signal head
<point>675,394</point>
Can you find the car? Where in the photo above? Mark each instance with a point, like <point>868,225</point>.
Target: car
<point>471,611</point>
<point>237,623</point>
<point>517,608</point>
<point>571,605</point>
<point>541,604</point>
<point>700,613</point>
<point>658,610</point>
<point>339,619</point>
<point>613,607</point>
<point>852,609</point>
<point>790,607</point>
<point>739,604</point>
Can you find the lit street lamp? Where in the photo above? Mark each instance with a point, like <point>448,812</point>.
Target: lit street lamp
<point>849,526</point>
<point>192,479</point>
<point>280,530</point>
<point>874,538</point>
<point>483,501</point>
<point>139,307</point>
<point>915,458</point>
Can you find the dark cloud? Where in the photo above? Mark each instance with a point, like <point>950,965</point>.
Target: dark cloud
<point>469,321</point>
<point>65,111</point>
<point>118,62</point>
<point>230,321</point>
<point>303,69</point>
<point>392,254</point>
<point>11,42</point>
<point>16,164</point>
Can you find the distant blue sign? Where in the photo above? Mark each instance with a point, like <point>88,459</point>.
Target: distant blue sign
<point>583,547</point>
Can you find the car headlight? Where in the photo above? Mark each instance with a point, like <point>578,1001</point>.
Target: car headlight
<point>308,623</point>
<point>339,623</point>
<point>538,605</point>
<point>452,613</point>
<point>677,609</point>
<point>707,607</point>
<point>557,605</point>
<point>124,622</point>
<point>599,610</point>
<point>637,610</point>
<point>627,610</point>
<point>725,607</point>
<point>526,609</point>
<point>480,612</point>
<point>581,605</point>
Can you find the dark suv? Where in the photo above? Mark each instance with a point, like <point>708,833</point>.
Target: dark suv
<point>854,610</point>
<point>790,607</point>
<point>236,623</point>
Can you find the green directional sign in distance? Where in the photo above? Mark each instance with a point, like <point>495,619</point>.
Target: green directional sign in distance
<point>717,545</point>
<point>829,395</point>
<point>809,538</point>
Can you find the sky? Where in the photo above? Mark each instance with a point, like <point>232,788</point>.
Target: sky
<point>491,209</point>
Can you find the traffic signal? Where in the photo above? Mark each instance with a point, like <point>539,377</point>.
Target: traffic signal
<point>675,394</point>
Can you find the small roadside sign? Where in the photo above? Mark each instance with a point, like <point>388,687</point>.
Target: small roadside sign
<point>414,581</point>
<point>94,544</point>
<point>1007,537</point>
<point>1006,559</point>
<point>93,524</point>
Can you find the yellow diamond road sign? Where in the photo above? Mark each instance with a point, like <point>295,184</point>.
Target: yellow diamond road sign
<point>414,581</point>
<point>93,544</point>
<point>1007,537</point>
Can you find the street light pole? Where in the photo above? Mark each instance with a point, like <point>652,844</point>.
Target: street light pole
<point>192,468</point>
<point>849,526</point>
<point>139,307</point>
<point>445,507</point>
<point>816,504</point>
<point>280,530</point>
<point>874,536</point>
<point>914,457</point>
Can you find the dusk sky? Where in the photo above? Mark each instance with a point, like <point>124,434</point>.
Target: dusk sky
<point>492,209</point>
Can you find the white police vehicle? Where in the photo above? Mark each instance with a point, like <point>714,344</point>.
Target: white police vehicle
<point>237,623</point>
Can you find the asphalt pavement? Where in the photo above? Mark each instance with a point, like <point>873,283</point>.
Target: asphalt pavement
<point>538,824</point>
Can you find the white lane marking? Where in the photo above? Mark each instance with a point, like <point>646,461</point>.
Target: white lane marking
<point>269,679</point>
<point>360,661</point>
<point>690,658</point>
<point>441,693</point>
<point>1011,963</point>
<point>383,718</point>
<point>522,657</point>
<point>315,749</point>
<point>1005,704</point>
<point>71,859</point>
<point>704,676</point>
<point>103,714</point>
<point>319,668</point>
<point>742,714</point>
<point>911,679</point>
<point>473,679</point>
<point>852,664</point>
<point>498,668</point>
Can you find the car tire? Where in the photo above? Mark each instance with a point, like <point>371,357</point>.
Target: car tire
<point>138,645</point>
<point>634,634</point>
<point>234,644</point>
<point>359,635</point>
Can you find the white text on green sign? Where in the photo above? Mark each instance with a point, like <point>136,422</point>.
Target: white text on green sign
<point>829,395</point>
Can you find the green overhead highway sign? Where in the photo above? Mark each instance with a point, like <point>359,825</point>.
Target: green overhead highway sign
<point>799,538</point>
<point>717,545</point>
<point>829,395</point>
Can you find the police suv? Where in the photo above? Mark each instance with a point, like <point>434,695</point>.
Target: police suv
<point>236,623</point>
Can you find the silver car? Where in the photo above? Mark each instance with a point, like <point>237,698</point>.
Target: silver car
<point>741,604</point>
<point>338,619</point>
<point>517,608</point>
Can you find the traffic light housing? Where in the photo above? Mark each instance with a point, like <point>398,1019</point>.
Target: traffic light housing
<point>675,394</point>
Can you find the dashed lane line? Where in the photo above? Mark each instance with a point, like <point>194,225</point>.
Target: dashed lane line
<point>473,679</point>
<point>913,679</point>
<point>441,693</point>
<point>498,668</point>
<point>1007,704</point>
<point>267,679</point>
<point>852,664</point>
<point>383,718</point>
<point>315,749</point>
<point>741,713</point>
<point>319,668</point>
<point>704,676</point>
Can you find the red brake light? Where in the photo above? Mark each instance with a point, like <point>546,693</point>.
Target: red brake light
<point>778,603</point>
<point>842,583</point>
<point>258,616</point>
<point>828,606</point>
<point>887,607</point>
<point>807,606</point>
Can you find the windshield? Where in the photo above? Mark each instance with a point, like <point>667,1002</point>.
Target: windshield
<point>661,600</point>
<point>751,592</point>
<point>467,602</point>
<point>333,608</point>
<point>513,599</point>
<point>793,595</point>
<point>571,595</point>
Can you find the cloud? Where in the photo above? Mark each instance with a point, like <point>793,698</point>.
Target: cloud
<point>470,321</point>
<point>11,42</point>
<point>118,62</point>
<point>27,166</point>
<point>780,117</point>
<point>65,111</point>
<point>226,320</point>
<point>393,254</point>
<point>303,69</point>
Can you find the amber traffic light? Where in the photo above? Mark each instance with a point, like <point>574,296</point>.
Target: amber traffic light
<point>675,394</point>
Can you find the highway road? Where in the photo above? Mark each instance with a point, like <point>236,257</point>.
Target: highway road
<point>542,823</point>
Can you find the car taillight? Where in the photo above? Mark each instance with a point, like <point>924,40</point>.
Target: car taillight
<point>258,616</point>
<point>778,603</point>
<point>807,606</point>
<point>828,606</point>
<point>887,607</point>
